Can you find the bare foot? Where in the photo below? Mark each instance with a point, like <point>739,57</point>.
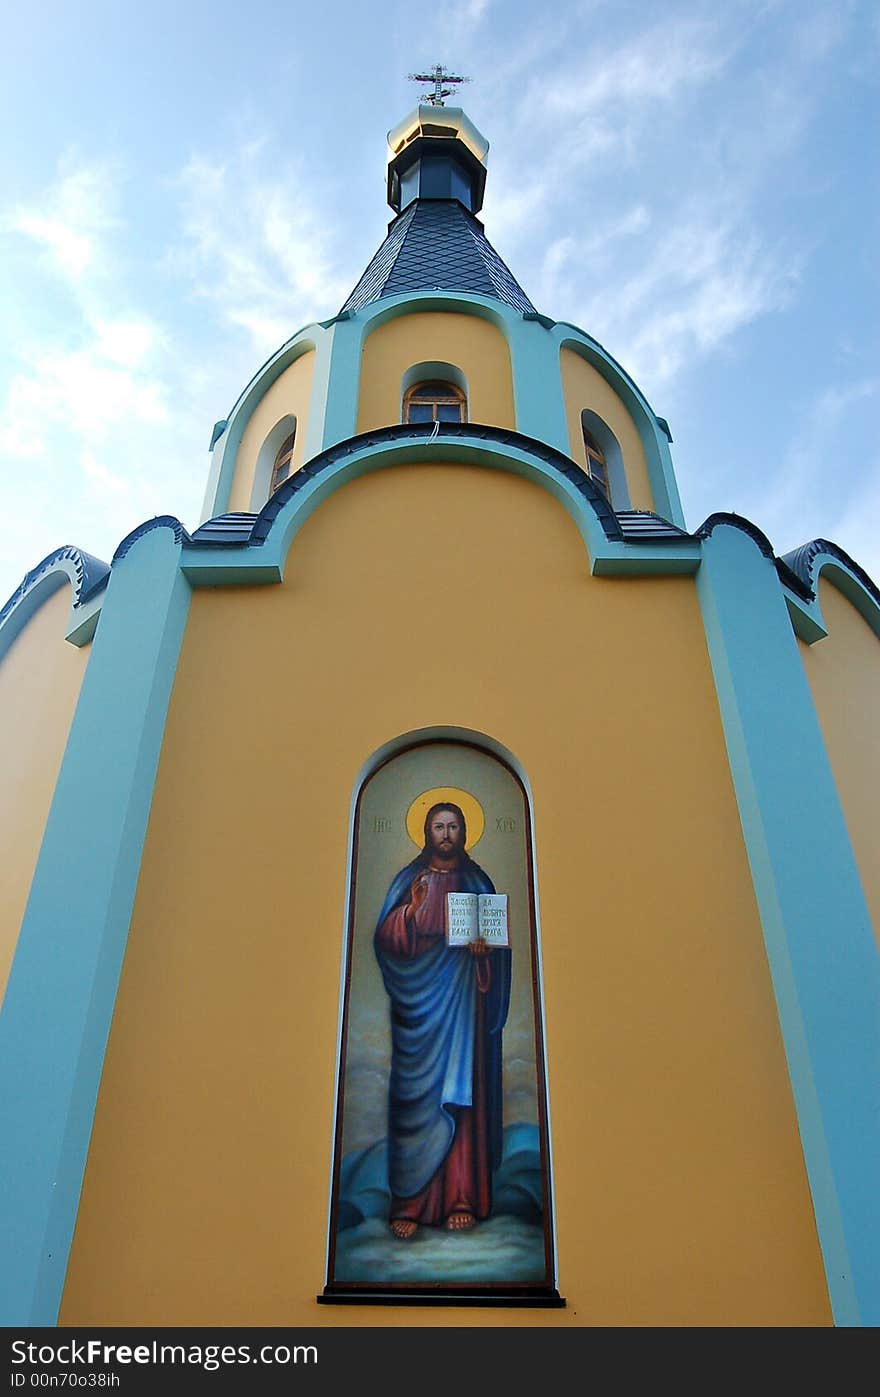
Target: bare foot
<point>460,1222</point>
<point>403,1228</point>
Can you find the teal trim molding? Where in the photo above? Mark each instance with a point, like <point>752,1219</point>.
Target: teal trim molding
<point>352,334</point>
<point>820,945</point>
<point>653,431</point>
<point>225,443</point>
<point>64,977</point>
<point>87,577</point>
<point>263,559</point>
<point>534,345</point>
<point>820,558</point>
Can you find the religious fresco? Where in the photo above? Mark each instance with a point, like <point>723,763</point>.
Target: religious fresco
<point>440,1175</point>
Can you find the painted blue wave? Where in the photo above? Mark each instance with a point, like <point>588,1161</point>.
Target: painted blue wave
<point>516,1184</point>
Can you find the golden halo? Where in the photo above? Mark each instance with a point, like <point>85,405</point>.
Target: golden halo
<point>468,804</point>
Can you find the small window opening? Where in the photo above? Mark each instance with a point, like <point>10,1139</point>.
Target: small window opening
<point>283,462</point>
<point>597,466</point>
<point>434,402</point>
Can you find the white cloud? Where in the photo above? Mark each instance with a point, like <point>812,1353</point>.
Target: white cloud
<point>23,421</point>
<point>679,297</point>
<point>820,30</point>
<point>592,105</point>
<point>663,263</point>
<point>254,246</point>
<point>657,64</point>
<point>101,475</point>
<point>72,249</point>
<point>96,419</point>
<point>81,390</point>
<point>636,219</point>
<point>267,332</point>
<point>834,401</point>
<point>800,474</point>
<point>126,341</point>
<point>467,14</point>
<point>97,372</point>
<point>73,220</point>
<point>457,20</point>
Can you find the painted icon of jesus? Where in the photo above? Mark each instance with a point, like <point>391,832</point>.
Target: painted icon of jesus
<point>448,1008</point>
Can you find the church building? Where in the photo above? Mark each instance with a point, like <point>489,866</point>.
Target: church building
<point>442,888</point>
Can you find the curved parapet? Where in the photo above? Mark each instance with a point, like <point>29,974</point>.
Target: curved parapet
<point>737,521</point>
<point>40,685</point>
<point>332,410</point>
<point>653,431</point>
<point>87,576</point>
<point>460,434</point>
<point>800,596</point>
<point>161,521</point>
<point>241,548</point>
<point>536,346</point>
<point>228,435</point>
<point>799,572</point>
<point>843,673</point>
<point>820,557</point>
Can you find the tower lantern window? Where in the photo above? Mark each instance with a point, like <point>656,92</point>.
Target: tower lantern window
<point>283,462</point>
<point>596,463</point>
<point>434,402</point>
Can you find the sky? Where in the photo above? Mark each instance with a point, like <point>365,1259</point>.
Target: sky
<point>183,186</point>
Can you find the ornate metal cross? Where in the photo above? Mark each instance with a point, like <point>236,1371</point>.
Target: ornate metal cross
<point>439,77</point>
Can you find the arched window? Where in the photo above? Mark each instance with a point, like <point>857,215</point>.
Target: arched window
<point>283,462</point>
<point>434,402</point>
<point>596,463</point>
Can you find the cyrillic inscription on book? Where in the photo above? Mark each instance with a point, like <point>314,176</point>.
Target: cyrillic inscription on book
<point>476,916</point>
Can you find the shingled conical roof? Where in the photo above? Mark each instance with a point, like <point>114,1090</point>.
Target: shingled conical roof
<point>436,176</point>
<point>436,245</point>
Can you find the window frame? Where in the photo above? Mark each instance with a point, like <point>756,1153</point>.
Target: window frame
<point>597,462</point>
<point>283,457</point>
<point>417,394</point>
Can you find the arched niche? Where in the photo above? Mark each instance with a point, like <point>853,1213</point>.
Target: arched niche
<point>610,448</point>
<point>266,460</point>
<point>433,371</point>
<point>458,337</point>
<point>441,1120</point>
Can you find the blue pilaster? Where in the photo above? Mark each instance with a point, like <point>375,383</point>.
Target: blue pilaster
<point>339,420</point>
<point>537,382</point>
<point>64,978</point>
<point>820,946</point>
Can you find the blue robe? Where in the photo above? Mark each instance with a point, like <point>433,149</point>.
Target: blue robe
<point>433,1025</point>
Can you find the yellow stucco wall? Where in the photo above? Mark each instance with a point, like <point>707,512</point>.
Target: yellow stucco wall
<point>584,387</point>
<point>844,676</point>
<point>681,1195</point>
<point>288,395</point>
<point>469,343</point>
<point>39,685</point>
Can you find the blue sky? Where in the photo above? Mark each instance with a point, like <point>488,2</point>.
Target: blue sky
<point>185,185</point>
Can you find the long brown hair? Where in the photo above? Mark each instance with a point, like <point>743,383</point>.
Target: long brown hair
<point>464,856</point>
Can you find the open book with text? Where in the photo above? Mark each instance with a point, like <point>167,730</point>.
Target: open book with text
<point>475,916</point>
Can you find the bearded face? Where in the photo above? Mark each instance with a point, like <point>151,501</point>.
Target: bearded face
<point>446,834</point>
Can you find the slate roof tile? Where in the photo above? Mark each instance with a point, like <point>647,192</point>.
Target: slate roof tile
<point>437,245</point>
